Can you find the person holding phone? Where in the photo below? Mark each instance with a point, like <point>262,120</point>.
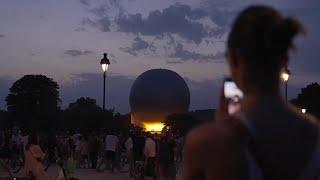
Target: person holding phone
<point>264,137</point>
<point>233,95</point>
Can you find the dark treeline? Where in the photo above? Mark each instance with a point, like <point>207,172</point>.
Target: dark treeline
<point>33,102</point>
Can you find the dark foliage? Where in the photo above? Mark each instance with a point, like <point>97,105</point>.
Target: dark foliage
<point>309,98</point>
<point>33,101</point>
<point>85,114</point>
<point>3,119</point>
<point>180,123</point>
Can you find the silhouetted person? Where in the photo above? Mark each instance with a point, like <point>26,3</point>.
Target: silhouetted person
<point>150,151</point>
<point>52,142</point>
<point>266,138</point>
<point>94,148</point>
<point>111,143</point>
<point>138,147</point>
<point>166,165</point>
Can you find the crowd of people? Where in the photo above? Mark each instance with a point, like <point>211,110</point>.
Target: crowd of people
<point>140,154</point>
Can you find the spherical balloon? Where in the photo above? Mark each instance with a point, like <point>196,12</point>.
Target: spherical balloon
<point>155,94</point>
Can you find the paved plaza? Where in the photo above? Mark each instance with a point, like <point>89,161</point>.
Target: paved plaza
<point>86,174</point>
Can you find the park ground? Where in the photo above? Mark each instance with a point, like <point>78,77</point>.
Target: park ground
<point>87,174</point>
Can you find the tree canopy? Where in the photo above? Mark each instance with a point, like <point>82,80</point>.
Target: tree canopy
<point>309,98</point>
<point>180,123</point>
<point>3,119</point>
<point>33,101</point>
<point>84,113</point>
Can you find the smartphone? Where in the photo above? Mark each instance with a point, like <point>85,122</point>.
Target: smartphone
<point>233,95</point>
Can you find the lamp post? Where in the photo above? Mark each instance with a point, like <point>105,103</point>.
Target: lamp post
<point>304,112</point>
<point>104,64</point>
<point>285,75</point>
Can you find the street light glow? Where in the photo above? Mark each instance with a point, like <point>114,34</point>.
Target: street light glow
<point>285,75</point>
<point>303,111</point>
<point>104,67</point>
<point>105,62</point>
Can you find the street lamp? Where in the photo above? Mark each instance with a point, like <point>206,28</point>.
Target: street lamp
<point>285,75</point>
<point>104,64</point>
<point>303,111</point>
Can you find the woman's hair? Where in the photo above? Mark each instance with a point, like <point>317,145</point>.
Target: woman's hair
<point>262,36</point>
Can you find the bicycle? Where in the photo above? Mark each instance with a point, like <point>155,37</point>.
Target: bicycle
<point>10,173</point>
<point>138,172</point>
<point>14,164</point>
<point>123,163</point>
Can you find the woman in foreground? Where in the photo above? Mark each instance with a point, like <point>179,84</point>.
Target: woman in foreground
<point>266,138</point>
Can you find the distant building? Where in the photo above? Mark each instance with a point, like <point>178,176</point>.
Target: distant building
<point>156,94</point>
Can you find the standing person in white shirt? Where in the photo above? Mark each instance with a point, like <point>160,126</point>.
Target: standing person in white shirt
<point>111,146</point>
<point>129,145</point>
<point>17,144</point>
<point>77,153</point>
<point>24,138</point>
<point>150,155</point>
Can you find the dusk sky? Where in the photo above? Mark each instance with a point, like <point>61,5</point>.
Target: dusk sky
<point>65,40</point>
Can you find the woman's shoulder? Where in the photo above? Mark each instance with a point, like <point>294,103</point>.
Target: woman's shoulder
<point>213,134</point>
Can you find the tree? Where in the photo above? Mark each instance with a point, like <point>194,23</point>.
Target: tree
<point>180,123</point>
<point>33,101</point>
<point>3,119</point>
<point>84,113</point>
<point>309,98</point>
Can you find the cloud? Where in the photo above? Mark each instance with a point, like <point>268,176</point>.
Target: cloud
<point>103,24</point>
<point>90,85</point>
<point>174,62</point>
<point>102,14</point>
<point>77,53</point>
<point>84,2</point>
<point>137,46</point>
<point>222,12</point>
<point>177,23</point>
<point>184,55</point>
<point>177,19</point>
<point>2,35</point>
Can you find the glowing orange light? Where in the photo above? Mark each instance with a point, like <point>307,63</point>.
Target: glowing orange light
<point>153,126</point>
